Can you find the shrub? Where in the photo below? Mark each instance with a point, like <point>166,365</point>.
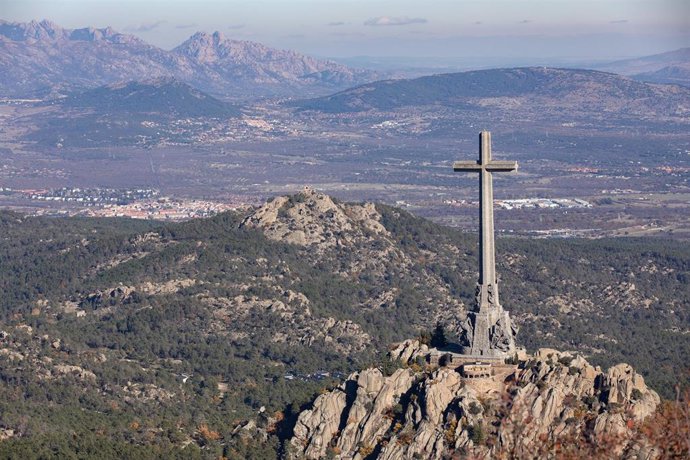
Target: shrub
<point>565,360</point>
<point>438,338</point>
<point>474,408</point>
<point>365,450</point>
<point>424,337</point>
<point>476,434</point>
<point>398,410</point>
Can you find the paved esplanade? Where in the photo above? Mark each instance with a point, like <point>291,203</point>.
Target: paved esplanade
<point>492,333</point>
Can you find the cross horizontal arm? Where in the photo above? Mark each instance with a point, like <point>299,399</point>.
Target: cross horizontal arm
<point>491,166</point>
<point>466,166</point>
<point>502,166</point>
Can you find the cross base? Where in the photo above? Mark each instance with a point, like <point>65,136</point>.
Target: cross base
<point>490,333</point>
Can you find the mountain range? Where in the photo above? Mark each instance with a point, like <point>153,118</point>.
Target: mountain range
<point>41,57</point>
<point>150,112</point>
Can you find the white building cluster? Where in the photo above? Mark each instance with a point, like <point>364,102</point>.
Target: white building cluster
<point>542,203</point>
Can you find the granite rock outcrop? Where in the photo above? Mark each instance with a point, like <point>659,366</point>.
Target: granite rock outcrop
<point>426,412</point>
<point>313,219</point>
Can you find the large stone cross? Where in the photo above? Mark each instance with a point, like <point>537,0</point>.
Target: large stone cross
<point>487,289</point>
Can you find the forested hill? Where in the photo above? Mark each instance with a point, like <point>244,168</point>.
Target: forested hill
<point>127,338</point>
<point>165,97</point>
<point>524,89</point>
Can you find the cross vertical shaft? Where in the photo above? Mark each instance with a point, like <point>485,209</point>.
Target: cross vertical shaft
<point>487,262</point>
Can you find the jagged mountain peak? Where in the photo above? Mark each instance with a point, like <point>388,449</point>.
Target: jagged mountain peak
<point>263,64</point>
<point>48,31</point>
<point>94,34</point>
<point>32,30</point>
<point>204,47</point>
<point>207,47</point>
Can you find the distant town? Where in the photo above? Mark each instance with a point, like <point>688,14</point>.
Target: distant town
<point>141,203</point>
<point>147,203</point>
<point>527,203</point>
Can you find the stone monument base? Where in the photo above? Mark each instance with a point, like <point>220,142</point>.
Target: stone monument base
<point>454,356</point>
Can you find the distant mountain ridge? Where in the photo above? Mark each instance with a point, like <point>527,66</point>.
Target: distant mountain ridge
<point>520,88</point>
<point>238,59</point>
<point>41,55</point>
<point>672,67</point>
<point>48,30</point>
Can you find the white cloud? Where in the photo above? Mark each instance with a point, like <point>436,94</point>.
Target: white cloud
<point>393,21</point>
<point>146,27</point>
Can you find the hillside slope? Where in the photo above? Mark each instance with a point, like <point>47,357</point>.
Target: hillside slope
<point>165,97</point>
<point>156,336</point>
<point>145,113</point>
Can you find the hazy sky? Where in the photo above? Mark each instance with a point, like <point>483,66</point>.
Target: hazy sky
<point>597,29</point>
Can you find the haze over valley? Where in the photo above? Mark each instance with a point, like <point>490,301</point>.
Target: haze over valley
<point>195,123</point>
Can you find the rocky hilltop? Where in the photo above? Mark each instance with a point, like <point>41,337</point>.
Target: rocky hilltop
<point>42,57</point>
<point>352,240</point>
<point>554,402</point>
<point>314,219</point>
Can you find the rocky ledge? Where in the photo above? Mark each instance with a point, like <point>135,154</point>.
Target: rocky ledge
<point>551,403</point>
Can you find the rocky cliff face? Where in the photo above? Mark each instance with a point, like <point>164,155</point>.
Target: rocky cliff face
<point>524,411</point>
